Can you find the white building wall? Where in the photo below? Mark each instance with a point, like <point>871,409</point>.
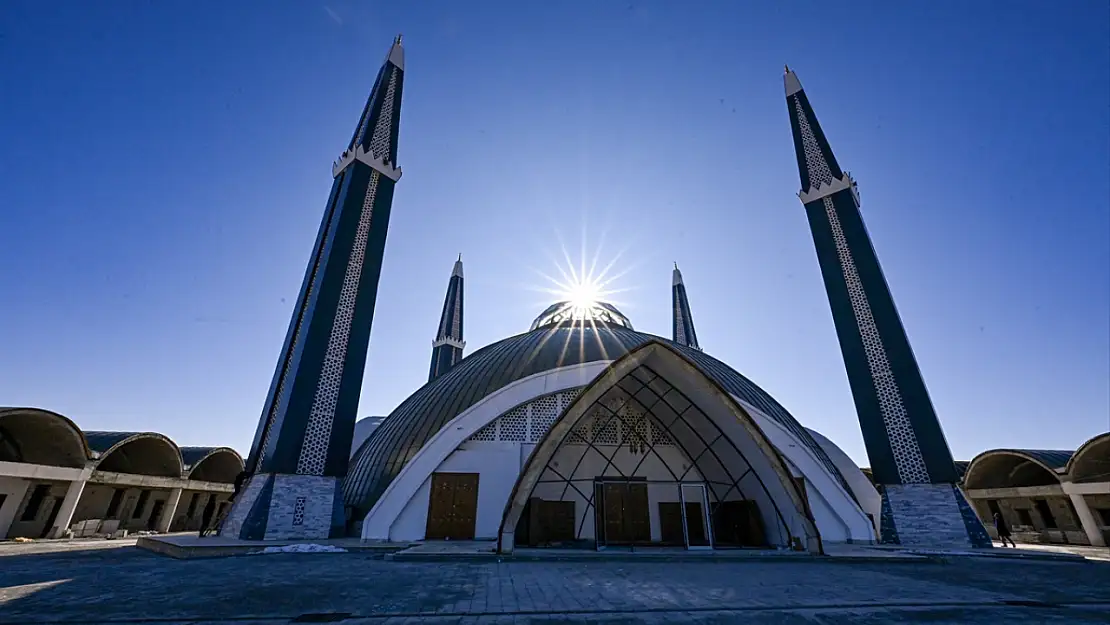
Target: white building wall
<point>862,488</point>
<point>837,516</point>
<point>497,465</point>
<point>34,527</point>
<point>94,502</point>
<point>14,489</point>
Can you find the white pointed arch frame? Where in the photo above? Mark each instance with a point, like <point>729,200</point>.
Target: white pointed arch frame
<point>646,364</point>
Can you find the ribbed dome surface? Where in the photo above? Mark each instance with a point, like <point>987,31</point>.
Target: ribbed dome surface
<point>404,432</point>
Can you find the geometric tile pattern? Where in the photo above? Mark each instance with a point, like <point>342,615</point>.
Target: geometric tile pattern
<point>903,442</point>
<point>530,423</point>
<point>541,416</point>
<point>819,172</point>
<point>314,449</point>
<point>486,434</point>
<point>379,142</point>
<point>601,429</point>
<point>514,425</point>
<point>607,431</point>
<point>298,511</point>
<point>526,423</point>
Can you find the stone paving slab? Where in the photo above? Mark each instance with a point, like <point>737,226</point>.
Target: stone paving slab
<point>129,585</point>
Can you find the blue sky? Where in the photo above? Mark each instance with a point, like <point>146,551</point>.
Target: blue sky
<point>164,165</point>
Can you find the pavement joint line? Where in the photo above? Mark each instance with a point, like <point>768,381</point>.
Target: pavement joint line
<point>989,604</point>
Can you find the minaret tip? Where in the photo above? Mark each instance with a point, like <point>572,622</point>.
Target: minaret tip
<point>786,69</point>
<point>460,257</point>
<point>458,270</point>
<point>791,82</point>
<point>676,276</point>
<point>397,54</point>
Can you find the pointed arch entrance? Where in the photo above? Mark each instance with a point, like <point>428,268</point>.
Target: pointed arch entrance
<point>655,452</point>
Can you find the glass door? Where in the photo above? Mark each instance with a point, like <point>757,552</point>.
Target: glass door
<point>695,516</point>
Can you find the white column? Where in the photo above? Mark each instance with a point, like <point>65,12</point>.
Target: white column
<point>1090,525</point>
<point>169,510</point>
<point>69,506</point>
<point>16,490</point>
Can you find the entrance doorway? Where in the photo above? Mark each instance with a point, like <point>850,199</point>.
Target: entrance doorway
<point>622,511</point>
<point>452,506</point>
<point>695,516</point>
<point>155,512</point>
<point>53,517</point>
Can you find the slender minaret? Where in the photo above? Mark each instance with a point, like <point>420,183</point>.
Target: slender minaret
<point>682,331</point>
<point>447,349</point>
<point>303,440</point>
<point>909,455</point>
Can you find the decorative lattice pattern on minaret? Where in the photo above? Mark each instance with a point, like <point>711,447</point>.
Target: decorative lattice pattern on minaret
<point>903,442</point>
<point>383,129</point>
<point>816,165</point>
<point>679,321</point>
<point>314,449</point>
<point>456,318</point>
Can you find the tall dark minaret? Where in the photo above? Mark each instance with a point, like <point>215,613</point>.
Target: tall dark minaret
<point>447,349</point>
<point>682,330</point>
<point>909,455</point>
<point>302,444</point>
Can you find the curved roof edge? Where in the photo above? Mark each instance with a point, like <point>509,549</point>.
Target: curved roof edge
<point>191,457</point>
<point>1052,460</point>
<point>118,440</point>
<point>12,410</point>
<point>1091,442</point>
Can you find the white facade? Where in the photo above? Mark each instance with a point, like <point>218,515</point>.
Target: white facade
<point>465,445</point>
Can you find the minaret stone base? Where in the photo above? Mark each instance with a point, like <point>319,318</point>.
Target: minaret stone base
<point>929,516</point>
<point>286,507</point>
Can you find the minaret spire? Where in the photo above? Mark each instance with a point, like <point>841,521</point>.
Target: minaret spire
<point>909,455</point>
<point>447,349</point>
<point>303,441</point>
<point>682,322</point>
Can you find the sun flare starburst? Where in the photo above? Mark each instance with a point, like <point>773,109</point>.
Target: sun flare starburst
<point>583,285</point>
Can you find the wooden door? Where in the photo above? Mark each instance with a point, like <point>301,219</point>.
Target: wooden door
<point>613,512</point>
<point>695,524</point>
<point>625,513</point>
<point>452,506</point>
<point>636,514</point>
<point>558,520</point>
<point>670,523</point>
<point>466,506</point>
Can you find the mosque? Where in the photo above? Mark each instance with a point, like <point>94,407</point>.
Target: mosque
<point>582,431</point>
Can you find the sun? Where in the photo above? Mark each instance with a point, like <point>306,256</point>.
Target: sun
<point>583,295</point>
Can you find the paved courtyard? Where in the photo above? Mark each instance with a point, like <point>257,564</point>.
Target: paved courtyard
<point>117,583</point>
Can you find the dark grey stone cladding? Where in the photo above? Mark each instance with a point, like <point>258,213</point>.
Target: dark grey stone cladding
<point>425,412</point>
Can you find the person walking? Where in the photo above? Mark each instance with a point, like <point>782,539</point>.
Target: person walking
<point>240,480</point>
<point>1003,530</point>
